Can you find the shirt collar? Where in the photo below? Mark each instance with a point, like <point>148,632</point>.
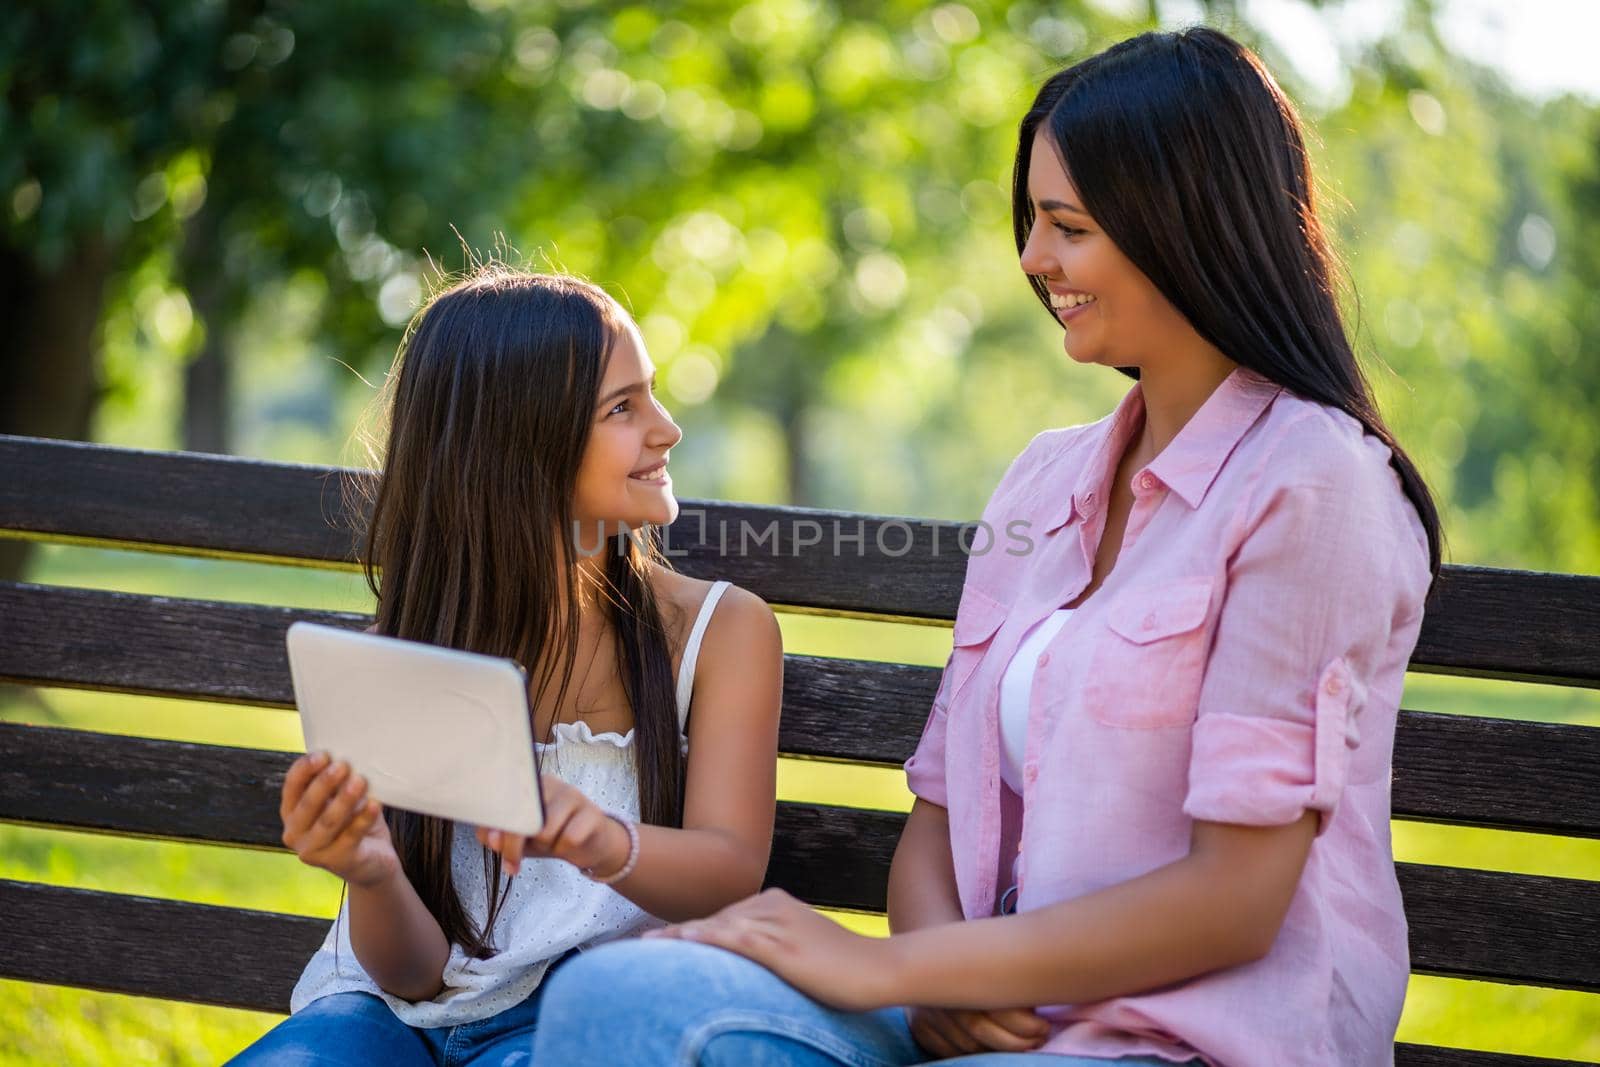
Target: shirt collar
<point>1190,463</point>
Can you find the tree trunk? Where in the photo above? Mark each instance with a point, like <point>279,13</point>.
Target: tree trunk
<point>208,379</point>
<point>48,384</point>
<point>797,459</point>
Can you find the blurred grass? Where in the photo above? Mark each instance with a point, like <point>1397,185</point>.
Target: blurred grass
<point>46,1025</point>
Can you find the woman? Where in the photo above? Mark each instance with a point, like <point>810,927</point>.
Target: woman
<point>525,443</point>
<point>1152,815</point>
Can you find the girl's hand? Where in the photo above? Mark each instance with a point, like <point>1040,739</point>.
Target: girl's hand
<point>947,1032</point>
<point>329,822</point>
<point>575,830</point>
<point>809,951</point>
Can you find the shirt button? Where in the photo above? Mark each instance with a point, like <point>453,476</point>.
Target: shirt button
<point>1146,481</point>
<point>1030,776</point>
<point>1149,622</point>
<point>1044,660</point>
<point>1333,686</point>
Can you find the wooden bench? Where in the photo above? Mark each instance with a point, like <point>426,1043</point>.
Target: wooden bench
<point>1492,926</point>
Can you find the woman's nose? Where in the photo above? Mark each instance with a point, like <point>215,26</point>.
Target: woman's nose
<point>1036,257</point>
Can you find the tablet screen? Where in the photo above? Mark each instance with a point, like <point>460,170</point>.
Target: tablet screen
<point>433,730</point>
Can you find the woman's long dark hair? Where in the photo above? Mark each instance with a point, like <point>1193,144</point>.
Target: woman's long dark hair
<point>1188,154</point>
<point>472,544</point>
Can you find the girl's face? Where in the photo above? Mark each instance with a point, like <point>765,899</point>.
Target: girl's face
<point>1114,315</point>
<point>623,477</point>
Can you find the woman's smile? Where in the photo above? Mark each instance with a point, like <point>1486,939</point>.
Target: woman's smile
<point>1070,304</point>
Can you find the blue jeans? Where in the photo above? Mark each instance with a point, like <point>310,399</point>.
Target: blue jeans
<point>357,1029</point>
<point>659,1003</point>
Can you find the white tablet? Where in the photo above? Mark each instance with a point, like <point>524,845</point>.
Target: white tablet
<point>432,729</point>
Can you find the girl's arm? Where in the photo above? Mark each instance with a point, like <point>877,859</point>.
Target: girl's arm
<point>922,876</point>
<point>721,853</point>
<point>397,939</point>
<point>330,823</point>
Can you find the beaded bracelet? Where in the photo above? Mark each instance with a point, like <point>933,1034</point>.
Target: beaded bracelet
<point>633,855</point>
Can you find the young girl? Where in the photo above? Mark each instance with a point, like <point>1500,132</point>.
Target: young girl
<point>524,435</point>
<point>1152,816</point>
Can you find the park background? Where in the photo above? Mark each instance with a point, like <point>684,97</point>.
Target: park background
<point>216,217</point>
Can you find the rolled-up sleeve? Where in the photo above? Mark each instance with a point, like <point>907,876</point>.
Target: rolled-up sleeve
<point>1312,595</point>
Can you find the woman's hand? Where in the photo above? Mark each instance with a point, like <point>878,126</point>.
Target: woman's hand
<point>575,830</point>
<point>946,1032</point>
<point>809,951</point>
<point>330,823</point>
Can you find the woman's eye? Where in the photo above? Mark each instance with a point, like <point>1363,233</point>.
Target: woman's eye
<point>1070,231</point>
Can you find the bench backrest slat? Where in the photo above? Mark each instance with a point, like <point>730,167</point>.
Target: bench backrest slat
<point>145,947</point>
<point>1473,924</point>
<point>148,947</point>
<point>1485,772</point>
<point>1482,621</point>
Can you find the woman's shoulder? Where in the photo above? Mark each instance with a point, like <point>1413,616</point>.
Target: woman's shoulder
<point>1313,445</point>
<point>1042,459</point>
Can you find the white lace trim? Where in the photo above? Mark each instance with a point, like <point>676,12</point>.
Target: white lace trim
<point>578,733</point>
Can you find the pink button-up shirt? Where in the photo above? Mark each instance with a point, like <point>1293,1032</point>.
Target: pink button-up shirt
<point>1241,663</point>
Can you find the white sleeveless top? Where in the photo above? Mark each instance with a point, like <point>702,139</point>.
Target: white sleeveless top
<point>1016,696</point>
<point>550,908</point>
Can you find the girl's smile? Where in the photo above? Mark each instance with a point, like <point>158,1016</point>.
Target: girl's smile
<point>654,475</point>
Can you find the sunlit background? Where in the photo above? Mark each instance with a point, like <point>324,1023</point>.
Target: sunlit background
<point>215,220</point>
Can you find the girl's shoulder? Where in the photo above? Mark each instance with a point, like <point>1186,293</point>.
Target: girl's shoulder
<point>738,615</point>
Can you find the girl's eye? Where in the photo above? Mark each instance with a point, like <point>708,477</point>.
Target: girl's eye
<point>1070,231</point>
<point>621,406</point>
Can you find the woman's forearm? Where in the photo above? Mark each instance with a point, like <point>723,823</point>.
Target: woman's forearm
<point>1220,906</point>
<point>1174,923</point>
<point>398,941</point>
<point>922,876</point>
<point>689,874</point>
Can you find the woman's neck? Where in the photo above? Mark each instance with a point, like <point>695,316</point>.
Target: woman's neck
<point>1173,391</point>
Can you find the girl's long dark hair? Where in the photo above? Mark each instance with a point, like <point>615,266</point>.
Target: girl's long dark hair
<point>1188,154</point>
<point>471,542</point>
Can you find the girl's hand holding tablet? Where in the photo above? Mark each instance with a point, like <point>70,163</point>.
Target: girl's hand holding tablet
<point>331,823</point>
<point>575,829</point>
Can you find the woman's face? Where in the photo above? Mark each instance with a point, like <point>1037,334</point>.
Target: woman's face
<point>623,477</point>
<point>1113,314</point>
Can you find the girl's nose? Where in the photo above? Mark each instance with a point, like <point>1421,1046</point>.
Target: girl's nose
<point>667,433</point>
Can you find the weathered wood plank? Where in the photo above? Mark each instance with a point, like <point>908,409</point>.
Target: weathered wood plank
<point>225,506</point>
<point>1481,621</point>
<point>212,505</point>
<point>1464,923</point>
<point>147,947</point>
<point>143,947</point>
<point>1434,1056</point>
<point>1471,771</point>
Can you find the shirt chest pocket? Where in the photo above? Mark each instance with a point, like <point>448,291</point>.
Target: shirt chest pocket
<point>1146,667</point>
<point>977,620</point>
